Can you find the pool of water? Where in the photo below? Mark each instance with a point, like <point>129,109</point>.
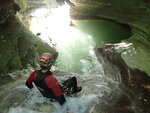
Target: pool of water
<point>78,56</point>
<point>104,31</point>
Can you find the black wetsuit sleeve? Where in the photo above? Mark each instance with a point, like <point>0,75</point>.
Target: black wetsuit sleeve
<point>29,85</point>
<point>61,99</point>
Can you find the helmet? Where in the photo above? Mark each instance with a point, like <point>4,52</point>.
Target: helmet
<point>46,60</point>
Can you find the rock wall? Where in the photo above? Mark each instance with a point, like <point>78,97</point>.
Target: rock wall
<point>18,46</point>
<point>132,82</point>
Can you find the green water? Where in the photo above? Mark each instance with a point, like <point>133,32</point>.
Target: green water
<point>78,56</point>
<point>102,30</point>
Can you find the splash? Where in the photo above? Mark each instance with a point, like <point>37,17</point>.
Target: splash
<point>74,46</point>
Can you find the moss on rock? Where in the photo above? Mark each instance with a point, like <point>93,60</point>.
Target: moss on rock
<point>18,46</point>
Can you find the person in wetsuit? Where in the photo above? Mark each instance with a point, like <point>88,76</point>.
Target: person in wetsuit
<point>47,84</point>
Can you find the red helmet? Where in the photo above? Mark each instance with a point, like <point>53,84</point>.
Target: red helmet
<point>46,59</point>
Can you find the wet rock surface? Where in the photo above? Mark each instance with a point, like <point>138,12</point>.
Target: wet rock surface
<point>131,81</point>
<point>19,47</point>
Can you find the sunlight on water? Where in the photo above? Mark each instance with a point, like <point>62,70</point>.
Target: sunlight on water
<point>53,24</point>
<point>75,48</point>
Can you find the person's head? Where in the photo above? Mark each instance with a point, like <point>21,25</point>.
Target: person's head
<point>46,60</point>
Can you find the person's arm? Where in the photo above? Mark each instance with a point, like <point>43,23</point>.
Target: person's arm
<point>30,80</point>
<point>57,91</point>
<point>61,99</point>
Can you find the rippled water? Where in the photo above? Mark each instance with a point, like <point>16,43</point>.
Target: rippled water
<point>17,98</point>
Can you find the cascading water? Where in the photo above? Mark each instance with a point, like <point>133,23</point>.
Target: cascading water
<point>56,30</point>
<point>76,58</point>
<point>17,98</point>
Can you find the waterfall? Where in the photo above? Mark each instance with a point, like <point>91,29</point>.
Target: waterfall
<point>76,58</point>
<point>17,98</point>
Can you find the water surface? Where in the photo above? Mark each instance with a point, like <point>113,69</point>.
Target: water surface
<point>78,56</point>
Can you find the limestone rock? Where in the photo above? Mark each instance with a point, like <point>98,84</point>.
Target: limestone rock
<point>131,81</point>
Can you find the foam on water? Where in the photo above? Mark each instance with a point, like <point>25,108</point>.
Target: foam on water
<point>94,87</point>
<point>21,110</point>
<point>76,105</point>
<point>34,101</point>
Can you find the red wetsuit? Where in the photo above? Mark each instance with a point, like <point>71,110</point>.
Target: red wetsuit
<point>47,85</point>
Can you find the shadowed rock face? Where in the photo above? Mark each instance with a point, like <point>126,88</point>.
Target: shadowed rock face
<point>129,11</point>
<point>18,46</point>
<point>7,10</point>
<point>133,82</point>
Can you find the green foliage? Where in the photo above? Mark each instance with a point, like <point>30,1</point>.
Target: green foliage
<point>14,63</point>
<point>2,39</point>
<point>2,21</point>
<point>148,10</point>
